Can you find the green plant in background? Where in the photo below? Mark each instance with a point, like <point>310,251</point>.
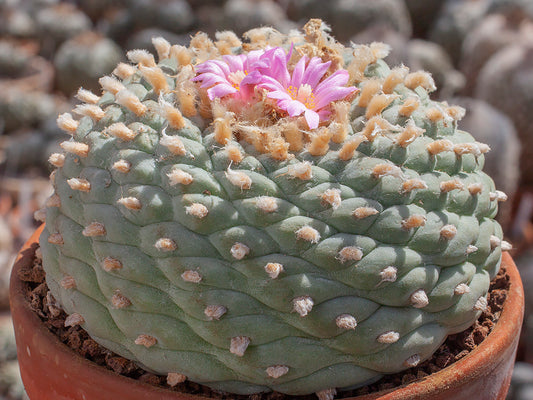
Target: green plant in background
<point>283,214</point>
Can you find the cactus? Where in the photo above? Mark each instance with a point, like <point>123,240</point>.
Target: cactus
<point>505,82</point>
<point>423,14</point>
<point>349,17</point>
<point>494,33</point>
<point>171,15</point>
<point>83,59</point>
<point>253,233</point>
<point>57,23</point>
<point>13,58</point>
<point>20,108</point>
<point>454,23</point>
<point>10,381</point>
<point>243,15</point>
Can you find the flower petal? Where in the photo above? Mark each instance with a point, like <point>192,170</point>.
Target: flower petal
<point>279,95</point>
<point>295,108</point>
<point>220,90</point>
<point>252,78</point>
<point>298,72</point>
<point>315,71</point>
<point>338,78</point>
<point>332,94</point>
<point>235,63</point>
<point>312,118</point>
<point>270,83</point>
<point>277,69</point>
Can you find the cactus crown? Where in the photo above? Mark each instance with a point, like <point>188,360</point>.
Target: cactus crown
<point>242,218</point>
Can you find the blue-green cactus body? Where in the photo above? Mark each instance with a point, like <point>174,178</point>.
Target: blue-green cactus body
<point>252,273</point>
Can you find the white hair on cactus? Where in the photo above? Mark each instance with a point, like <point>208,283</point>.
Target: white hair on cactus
<point>66,123</point>
<point>215,311</point>
<point>87,96</point>
<point>350,253</point>
<point>481,304</point>
<point>302,305</point>
<point>277,371</point>
<point>273,269</point>
<point>178,176</point>
<point>191,276</point>
<point>461,288</point>
<point>448,232</point>
<point>419,299</point>
<point>142,57</point>
<point>80,149</point>
<point>302,170</point>
<point>146,340</point>
<point>326,394</point>
<point>239,251</point>
<point>90,110</point>
<point>267,204</point>
<point>124,71</point>
<point>175,378</point>
<point>162,47</point>
<point>110,84</point>
<point>121,131</point>
<point>332,197</point>
<point>123,166</point>
<point>364,212</point>
<point>389,274</point>
<point>239,344</point>
<point>57,159</point>
<point>238,178</point>
<point>173,143</point>
<point>346,321</point>
<point>118,300</point>
<point>111,264</point>
<point>388,337</point>
<point>197,210</point>
<point>129,100</point>
<point>94,229</point>
<point>131,203</point>
<point>412,361</point>
<point>83,185</point>
<point>74,319</point>
<point>308,233</point>
<point>68,282</point>
<point>165,244</point>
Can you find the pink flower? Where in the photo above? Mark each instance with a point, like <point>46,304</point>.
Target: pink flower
<point>303,92</point>
<point>233,75</point>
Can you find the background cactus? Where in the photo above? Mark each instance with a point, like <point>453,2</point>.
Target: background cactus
<point>349,17</point>
<point>255,256</point>
<point>494,33</point>
<point>455,21</point>
<point>505,82</point>
<point>81,60</point>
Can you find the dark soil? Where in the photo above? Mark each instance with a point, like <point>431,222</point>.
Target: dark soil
<point>454,348</point>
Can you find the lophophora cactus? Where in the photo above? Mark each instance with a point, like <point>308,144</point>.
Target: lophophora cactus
<point>83,59</point>
<point>253,229</point>
<point>509,74</point>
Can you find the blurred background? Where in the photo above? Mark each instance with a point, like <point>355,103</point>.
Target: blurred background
<point>480,53</point>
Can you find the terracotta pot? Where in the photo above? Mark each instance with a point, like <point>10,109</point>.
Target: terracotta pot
<point>52,371</point>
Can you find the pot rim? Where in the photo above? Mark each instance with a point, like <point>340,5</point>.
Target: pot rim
<point>504,334</point>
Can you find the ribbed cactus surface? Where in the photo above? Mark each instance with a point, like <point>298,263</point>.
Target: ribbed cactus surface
<point>253,257</point>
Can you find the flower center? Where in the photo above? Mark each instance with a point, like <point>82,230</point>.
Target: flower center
<point>235,78</point>
<point>304,94</point>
